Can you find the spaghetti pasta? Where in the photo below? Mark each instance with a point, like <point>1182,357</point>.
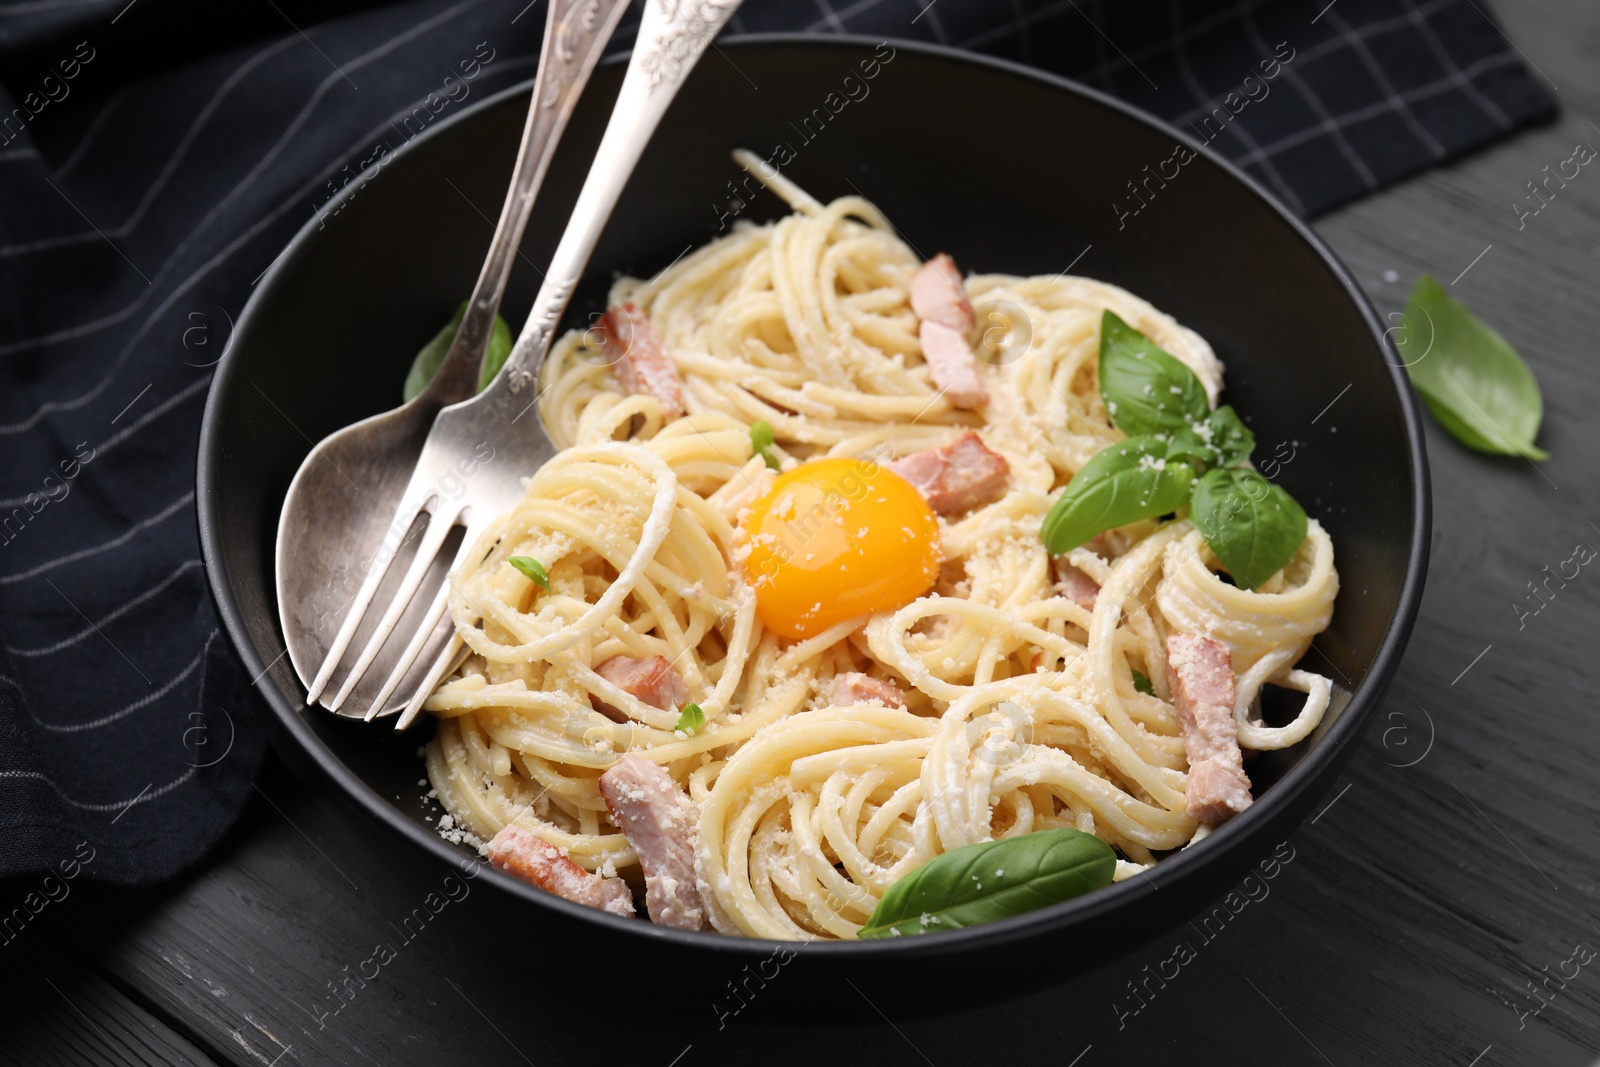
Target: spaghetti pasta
<point>1021,711</point>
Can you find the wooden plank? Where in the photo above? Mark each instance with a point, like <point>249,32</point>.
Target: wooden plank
<point>59,1011</point>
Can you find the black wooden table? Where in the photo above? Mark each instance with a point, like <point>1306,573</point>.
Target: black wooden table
<point>1440,908</point>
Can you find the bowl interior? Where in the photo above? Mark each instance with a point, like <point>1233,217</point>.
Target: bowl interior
<point>1006,170</point>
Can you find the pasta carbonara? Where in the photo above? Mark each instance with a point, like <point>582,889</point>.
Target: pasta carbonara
<point>775,745</point>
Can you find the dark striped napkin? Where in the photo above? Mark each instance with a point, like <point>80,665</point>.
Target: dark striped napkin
<point>155,156</point>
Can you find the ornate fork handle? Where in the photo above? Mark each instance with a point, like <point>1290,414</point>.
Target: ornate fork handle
<point>576,32</point>
<point>673,35</point>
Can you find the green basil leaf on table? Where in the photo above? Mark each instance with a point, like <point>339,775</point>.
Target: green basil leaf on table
<point>1230,437</point>
<point>532,569</point>
<point>1128,481</point>
<point>1470,377</point>
<point>1252,525</point>
<point>431,357</point>
<point>992,880</point>
<point>1146,389</point>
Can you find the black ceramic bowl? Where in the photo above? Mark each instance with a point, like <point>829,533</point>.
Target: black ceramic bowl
<point>330,331</point>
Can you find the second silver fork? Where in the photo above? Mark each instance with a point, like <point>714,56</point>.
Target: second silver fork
<point>331,526</point>
<point>673,35</point>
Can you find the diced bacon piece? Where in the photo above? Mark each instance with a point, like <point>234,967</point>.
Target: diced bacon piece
<point>954,367</point>
<point>643,365</point>
<point>855,688</point>
<point>1075,585</point>
<point>1202,690</point>
<point>1202,673</point>
<point>939,297</point>
<point>651,680</point>
<point>1216,792</point>
<point>524,854</point>
<point>938,294</point>
<point>958,476</point>
<point>660,824</point>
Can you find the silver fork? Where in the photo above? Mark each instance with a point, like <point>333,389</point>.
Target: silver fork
<point>673,35</point>
<point>324,526</point>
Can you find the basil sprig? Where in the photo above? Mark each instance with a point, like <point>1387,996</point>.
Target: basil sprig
<point>1470,377</point>
<point>431,357</point>
<point>1180,452</point>
<point>992,880</point>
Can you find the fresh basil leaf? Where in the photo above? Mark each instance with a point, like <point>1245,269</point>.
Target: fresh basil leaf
<point>691,719</point>
<point>1190,447</point>
<point>428,361</point>
<point>992,880</point>
<point>1470,377</point>
<point>532,569</point>
<point>1146,389</point>
<point>1131,480</point>
<point>495,356</point>
<point>431,357</point>
<point>1254,526</point>
<point>1142,683</point>
<point>1230,437</point>
<point>761,440</point>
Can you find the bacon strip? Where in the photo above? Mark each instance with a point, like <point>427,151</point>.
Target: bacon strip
<point>957,477</point>
<point>524,854</point>
<point>939,297</point>
<point>856,688</point>
<point>1203,692</point>
<point>954,368</point>
<point>1075,585</point>
<point>660,824</point>
<point>651,680</point>
<point>939,294</point>
<point>643,365</point>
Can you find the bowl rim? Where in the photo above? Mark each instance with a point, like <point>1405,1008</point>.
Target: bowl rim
<point>1177,869</point>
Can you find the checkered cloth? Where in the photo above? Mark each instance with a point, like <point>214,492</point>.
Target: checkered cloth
<point>155,156</point>
<point>1361,93</point>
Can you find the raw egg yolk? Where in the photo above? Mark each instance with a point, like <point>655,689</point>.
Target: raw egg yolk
<point>838,538</point>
